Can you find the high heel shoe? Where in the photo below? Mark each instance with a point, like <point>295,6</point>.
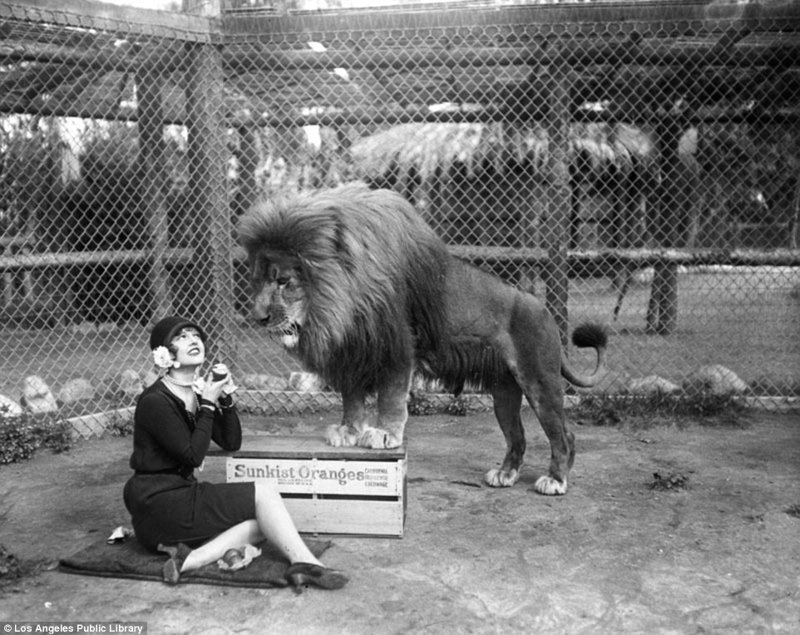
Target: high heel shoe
<point>302,574</point>
<point>171,571</point>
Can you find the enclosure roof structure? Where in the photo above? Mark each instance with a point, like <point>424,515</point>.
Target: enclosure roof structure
<point>81,58</point>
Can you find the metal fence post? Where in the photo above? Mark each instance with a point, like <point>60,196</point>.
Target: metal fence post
<point>673,219</point>
<point>558,193</point>
<point>152,179</point>
<point>208,160</point>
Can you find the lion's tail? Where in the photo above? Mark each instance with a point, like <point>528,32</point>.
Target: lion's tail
<point>587,336</point>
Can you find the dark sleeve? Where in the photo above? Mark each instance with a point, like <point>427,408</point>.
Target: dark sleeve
<point>163,421</point>
<point>227,429</point>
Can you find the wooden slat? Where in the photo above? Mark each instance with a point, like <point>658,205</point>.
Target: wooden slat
<point>431,18</point>
<point>102,16</point>
<point>307,476</point>
<point>640,257</point>
<point>361,517</point>
<point>474,253</point>
<point>81,258</point>
<point>241,58</point>
<point>301,447</point>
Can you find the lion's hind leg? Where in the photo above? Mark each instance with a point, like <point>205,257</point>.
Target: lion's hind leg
<point>555,483</point>
<point>548,404</point>
<point>507,403</point>
<point>550,485</point>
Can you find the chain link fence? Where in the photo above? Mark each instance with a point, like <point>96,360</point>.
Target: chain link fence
<point>634,164</point>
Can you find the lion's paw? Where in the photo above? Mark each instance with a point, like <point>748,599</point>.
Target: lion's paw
<point>340,436</point>
<point>550,486</point>
<point>501,478</point>
<point>378,439</point>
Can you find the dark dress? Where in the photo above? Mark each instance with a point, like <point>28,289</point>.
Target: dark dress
<point>167,504</point>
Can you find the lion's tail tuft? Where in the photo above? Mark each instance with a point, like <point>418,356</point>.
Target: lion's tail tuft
<point>587,335</point>
<point>590,335</point>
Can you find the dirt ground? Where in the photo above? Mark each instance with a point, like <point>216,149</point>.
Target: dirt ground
<point>715,550</point>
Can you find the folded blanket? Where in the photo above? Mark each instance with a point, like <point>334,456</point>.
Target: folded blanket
<point>129,559</point>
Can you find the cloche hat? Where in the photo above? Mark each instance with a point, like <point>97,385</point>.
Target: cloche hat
<point>168,327</point>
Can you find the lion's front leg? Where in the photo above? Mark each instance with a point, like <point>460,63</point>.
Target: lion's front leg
<point>340,436</point>
<point>354,421</point>
<point>392,413</point>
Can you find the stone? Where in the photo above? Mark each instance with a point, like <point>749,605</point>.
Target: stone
<point>9,408</point>
<point>76,390</point>
<point>715,379</point>
<point>129,384</point>
<point>150,377</point>
<point>83,328</point>
<point>652,385</point>
<point>37,396</point>
<point>107,327</point>
<point>255,381</point>
<point>305,382</point>
<point>614,383</point>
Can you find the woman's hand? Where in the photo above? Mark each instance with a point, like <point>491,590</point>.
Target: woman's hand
<point>220,371</point>
<point>215,383</point>
<point>218,383</point>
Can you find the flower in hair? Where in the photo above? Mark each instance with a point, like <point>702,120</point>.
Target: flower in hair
<point>162,357</point>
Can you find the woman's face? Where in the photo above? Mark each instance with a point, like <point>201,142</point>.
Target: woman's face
<point>187,347</point>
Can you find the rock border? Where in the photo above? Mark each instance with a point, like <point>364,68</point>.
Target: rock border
<point>285,402</point>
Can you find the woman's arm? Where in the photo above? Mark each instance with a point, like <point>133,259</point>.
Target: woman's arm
<point>227,430</point>
<point>162,418</point>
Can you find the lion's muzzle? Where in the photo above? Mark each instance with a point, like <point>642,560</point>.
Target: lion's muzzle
<point>269,310</point>
<point>265,320</point>
<point>277,317</point>
<point>274,317</point>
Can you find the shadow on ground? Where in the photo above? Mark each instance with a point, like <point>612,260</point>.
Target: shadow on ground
<point>710,544</point>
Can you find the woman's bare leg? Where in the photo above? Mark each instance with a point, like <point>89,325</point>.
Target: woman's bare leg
<point>278,527</point>
<point>236,537</point>
<point>272,522</point>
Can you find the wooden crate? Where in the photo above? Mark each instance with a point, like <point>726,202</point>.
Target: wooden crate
<point>327,490</point>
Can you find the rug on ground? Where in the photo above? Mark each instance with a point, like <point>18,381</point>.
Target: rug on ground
<point>128,559</point>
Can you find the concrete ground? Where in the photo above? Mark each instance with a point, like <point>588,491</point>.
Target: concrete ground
<point>714,550</point>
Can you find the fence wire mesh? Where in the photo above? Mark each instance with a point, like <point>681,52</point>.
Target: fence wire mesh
<point>634,164</point>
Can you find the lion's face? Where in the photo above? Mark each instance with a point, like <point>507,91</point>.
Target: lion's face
<point>279,296</point>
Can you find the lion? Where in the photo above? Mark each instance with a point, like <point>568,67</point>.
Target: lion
<point>357,286</point>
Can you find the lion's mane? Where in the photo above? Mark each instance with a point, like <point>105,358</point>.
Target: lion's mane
<point>373,274</point>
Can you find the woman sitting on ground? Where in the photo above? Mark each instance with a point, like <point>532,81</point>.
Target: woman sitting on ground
<point>197,522</point>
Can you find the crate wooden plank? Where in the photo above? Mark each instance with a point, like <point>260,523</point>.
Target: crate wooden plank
<point>321,476</point>
<point>347,516</point>
<point>270,446</point>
